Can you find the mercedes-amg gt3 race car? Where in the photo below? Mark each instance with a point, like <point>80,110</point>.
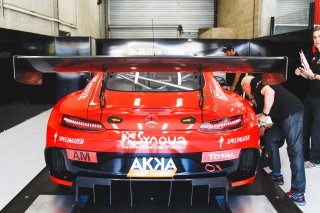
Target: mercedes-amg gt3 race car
<point>151,119</point>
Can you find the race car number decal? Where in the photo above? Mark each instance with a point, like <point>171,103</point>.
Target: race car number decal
<point>82,156</point>
<point>137,140</point>
<point>152,167</point>
<point>220,156</point>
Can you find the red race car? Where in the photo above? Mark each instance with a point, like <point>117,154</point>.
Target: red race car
<point>152,119</point>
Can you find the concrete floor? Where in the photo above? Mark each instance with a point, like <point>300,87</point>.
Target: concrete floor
<point>23,145</point>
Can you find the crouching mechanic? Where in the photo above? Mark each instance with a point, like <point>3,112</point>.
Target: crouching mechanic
<point>286,112</point>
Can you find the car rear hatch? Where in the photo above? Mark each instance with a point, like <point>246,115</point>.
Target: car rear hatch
<point>152,111</point>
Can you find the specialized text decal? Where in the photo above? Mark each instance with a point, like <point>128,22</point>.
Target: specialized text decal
<point>86,91</point>
<point>64,139</point>
<point>238,139</point>
<point>152,167</point>
<point>137,140</point>
<point>220,156</point>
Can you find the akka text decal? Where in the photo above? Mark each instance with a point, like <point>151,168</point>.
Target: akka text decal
<point>152,167</point>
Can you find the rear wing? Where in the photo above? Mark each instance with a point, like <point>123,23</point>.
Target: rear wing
<point>29,69</point>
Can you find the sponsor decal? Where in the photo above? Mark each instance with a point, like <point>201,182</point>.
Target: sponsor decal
<point>152,167</point>
<point>82,156</point>
<point>221,141</point>
<point>55,137</point>
<point>212,168</point>
<point>137,140</point>
<point>219,92</point>
<point>220,156</point>
<point>87,90</point>
<point>67,139</point>
<point>238,139</point>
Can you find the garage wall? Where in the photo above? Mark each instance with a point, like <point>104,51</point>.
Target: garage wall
<point>47,17</point>
<point>248,18</point>
<point>159,18</point>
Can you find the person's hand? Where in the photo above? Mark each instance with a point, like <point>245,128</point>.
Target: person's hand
<point>309,73</point>
<point>262,118</point>
<point>298,71</point>
<point>262,128</point>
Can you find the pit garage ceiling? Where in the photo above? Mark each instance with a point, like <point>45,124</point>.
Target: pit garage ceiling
<point>159,18</point>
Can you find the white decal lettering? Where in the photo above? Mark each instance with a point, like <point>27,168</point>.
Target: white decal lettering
<point>55,137</point>
<point>86,91</point>
<point>136,165</point>
<point>170,165</point>
<point>71,140</point>
<point>137,140</point>
<point>238,139</point>
<point>159,164</point>
<point>148,162</point>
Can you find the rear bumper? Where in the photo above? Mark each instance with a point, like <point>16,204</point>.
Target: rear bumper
<point>115,166</point>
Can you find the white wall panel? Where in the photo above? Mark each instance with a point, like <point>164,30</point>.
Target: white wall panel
<point>292,12</point>
<point>68,11</point>
<point>29,16</point>
<point>135,18</point>
<point>44,7</point>
<point>47,17</point>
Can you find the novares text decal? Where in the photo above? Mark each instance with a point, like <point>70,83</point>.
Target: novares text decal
<point>137,140</point>
<point>86,91</point>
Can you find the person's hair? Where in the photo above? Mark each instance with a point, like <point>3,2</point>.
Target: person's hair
<point>247,79</point>
<point>315,29</point>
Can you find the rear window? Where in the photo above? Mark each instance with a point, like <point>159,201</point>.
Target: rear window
<point>152,81</point>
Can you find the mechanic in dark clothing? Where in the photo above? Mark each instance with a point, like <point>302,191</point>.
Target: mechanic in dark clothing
<point>312,107</point>
<point>286,112</point>
<point>233,79</point>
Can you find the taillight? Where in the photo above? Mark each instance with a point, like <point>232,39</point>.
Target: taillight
<point>222,124</point>
<point>81,124</point>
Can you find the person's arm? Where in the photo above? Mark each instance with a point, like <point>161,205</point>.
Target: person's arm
<point>311,75</point>
<point>307,73</point>
<point>300,71</point>
<point>268,95</point>
<point>235,81</point>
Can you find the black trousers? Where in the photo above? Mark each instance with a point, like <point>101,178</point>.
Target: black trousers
<point>292,130</point>
<point>312,129</point>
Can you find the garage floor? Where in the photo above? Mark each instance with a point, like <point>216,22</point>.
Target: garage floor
<point>25,184</point>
